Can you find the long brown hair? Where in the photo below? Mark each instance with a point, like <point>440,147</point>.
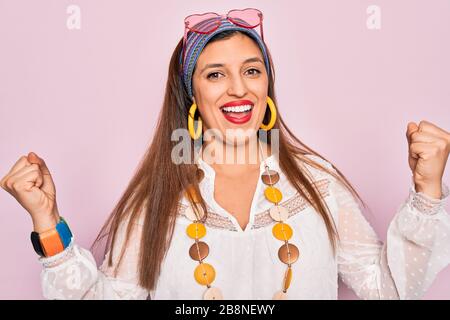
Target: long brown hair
<point>158,184</point>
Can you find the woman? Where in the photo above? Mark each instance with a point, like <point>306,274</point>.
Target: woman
<point>284,226</point>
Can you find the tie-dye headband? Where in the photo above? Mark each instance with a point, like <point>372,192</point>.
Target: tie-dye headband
<point>197,41</point>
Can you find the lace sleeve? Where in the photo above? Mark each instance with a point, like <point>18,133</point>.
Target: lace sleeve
<point>73,273</point>
<point>417,247</point>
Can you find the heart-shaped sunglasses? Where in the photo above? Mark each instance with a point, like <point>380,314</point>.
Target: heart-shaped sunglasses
<point>208,22</point>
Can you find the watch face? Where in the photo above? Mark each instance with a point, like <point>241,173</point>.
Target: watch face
<point>36,243</point>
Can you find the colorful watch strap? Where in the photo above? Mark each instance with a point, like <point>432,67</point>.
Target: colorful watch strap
<point>51,242</point>
<point>64,232</point>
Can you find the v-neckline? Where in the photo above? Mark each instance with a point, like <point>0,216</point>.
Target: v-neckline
<point>208,186</point>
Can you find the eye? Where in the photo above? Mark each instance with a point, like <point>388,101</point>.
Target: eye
<point>256,71</point>
<point>209,76</point>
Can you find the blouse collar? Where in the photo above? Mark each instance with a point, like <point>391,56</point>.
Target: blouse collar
<point>259,202</point>
<point>271,161</point>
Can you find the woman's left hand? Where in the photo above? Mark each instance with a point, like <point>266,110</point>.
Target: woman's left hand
<point>429,147</point>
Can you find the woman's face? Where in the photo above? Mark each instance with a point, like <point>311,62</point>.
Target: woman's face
<point>231,71</point>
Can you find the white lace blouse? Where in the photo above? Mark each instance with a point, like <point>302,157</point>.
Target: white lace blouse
<point>246,261</point>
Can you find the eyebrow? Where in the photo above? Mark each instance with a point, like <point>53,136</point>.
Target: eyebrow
<point>216,65</point>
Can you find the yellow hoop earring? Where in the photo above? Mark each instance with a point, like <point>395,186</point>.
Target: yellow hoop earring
<point>273,115</point>
<point>195,134</point>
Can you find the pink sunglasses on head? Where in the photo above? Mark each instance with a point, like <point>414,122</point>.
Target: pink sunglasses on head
<point>247,18</point>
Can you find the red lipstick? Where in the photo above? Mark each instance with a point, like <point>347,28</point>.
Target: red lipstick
<point>237,117</point>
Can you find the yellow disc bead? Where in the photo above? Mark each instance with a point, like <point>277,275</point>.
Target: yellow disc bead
<point>196,230</point>
<point>273,194</point>
<point>282,231</point>
<point>204,274</point>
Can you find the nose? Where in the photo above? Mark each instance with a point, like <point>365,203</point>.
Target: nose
<point>237,86</point>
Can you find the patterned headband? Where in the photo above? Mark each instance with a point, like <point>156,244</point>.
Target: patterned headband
<point>197,41</point>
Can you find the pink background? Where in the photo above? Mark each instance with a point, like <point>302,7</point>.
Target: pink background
<point>87,100</point>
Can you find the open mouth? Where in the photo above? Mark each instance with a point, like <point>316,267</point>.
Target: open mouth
<point>237,114</point>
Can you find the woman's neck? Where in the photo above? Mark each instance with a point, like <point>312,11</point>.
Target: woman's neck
<point>236,160</point>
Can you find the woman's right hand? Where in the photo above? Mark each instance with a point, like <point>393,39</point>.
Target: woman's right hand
<point>30,182</point>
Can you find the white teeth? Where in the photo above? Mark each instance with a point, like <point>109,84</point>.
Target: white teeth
<point>243,108</point>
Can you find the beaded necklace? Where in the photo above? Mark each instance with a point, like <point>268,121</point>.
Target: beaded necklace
<point>288,253</point>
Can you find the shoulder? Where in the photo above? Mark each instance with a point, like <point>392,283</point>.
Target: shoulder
<point>315,165</point>
<point>319,160</point>
<point>133,217</point>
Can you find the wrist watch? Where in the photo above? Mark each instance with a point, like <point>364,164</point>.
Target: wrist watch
<point>53,241</point>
